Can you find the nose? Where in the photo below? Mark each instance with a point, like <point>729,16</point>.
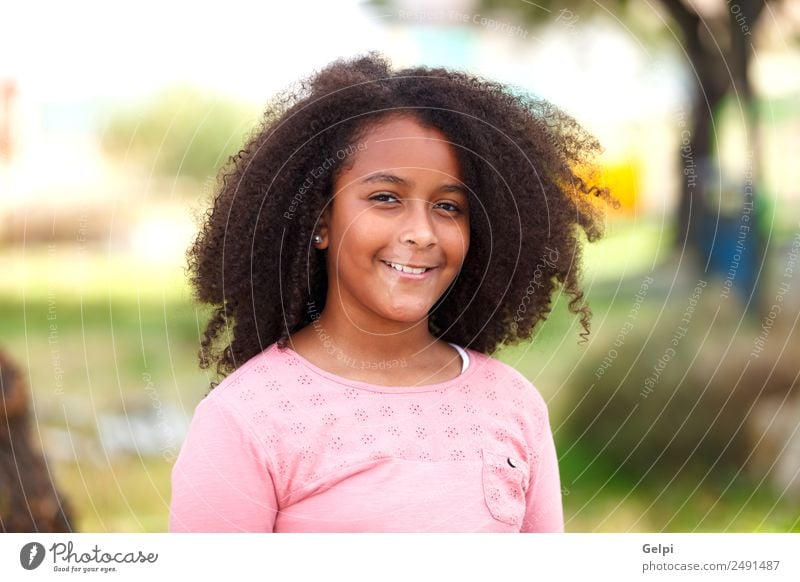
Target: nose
<point>417,226</point>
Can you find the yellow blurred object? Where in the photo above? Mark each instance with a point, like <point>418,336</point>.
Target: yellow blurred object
<point>622,178</point>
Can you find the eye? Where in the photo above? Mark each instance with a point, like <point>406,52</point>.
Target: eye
<point>383,195</point>
<point>452,207</point>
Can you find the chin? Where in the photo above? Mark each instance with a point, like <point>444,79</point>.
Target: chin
<point>407,314</point>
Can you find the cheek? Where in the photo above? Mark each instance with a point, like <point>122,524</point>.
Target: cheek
<point>455,242</point>
<point>359,238</point>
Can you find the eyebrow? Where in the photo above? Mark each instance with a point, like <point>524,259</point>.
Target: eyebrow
<point>394,179</point>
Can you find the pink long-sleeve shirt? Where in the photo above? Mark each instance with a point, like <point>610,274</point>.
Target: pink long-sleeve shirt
<point>282,445</point>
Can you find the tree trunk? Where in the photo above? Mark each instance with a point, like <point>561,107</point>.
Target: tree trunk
<point>710,238</point>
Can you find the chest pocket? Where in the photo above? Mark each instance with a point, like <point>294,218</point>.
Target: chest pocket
<point>505,481</point>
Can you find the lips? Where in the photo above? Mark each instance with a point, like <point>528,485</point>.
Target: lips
<point>406,267</point>
<point>409,271</point>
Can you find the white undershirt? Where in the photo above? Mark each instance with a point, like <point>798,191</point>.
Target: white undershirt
<point>464,356</point>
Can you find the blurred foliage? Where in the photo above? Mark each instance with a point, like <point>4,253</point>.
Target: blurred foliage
<point>570,15</point>
<point>181,132</point>
<point>663,397</point>
<point>598,498</point>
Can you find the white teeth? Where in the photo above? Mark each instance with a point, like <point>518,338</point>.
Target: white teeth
<point>406,269</point>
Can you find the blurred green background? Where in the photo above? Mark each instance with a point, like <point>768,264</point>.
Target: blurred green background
<point>102,184</point>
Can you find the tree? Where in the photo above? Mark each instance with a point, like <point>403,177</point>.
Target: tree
<point>179,132</point>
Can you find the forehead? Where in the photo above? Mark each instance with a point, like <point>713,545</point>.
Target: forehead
<point>404,145</point>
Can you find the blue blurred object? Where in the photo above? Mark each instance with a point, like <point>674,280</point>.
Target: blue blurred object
<point>728,239</point>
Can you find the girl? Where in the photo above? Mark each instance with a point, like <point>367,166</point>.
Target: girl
<point>371,245</point>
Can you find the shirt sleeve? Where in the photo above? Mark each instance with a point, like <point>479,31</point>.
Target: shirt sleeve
<point>544,511</point>
<point>221,480</point>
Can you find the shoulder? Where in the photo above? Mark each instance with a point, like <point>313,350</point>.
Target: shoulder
<point>254,383</point>
<point>504,377</point>
<point>246,403</point>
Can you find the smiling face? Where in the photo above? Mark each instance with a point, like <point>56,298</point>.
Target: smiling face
<point>397,231</point>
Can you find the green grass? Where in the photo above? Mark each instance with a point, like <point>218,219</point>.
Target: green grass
<point>68,274</point>
<point>129,495</point>
<point>104,349</point>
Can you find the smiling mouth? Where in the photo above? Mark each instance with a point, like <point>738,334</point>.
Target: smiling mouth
<point>408,269</point>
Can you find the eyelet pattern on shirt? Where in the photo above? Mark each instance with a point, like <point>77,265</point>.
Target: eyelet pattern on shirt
<point>457,455</point>
<point>312,427</point>
<point>335,443</point>
<point>317,399</point>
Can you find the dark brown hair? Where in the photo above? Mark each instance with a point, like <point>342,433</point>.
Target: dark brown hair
<point>526,163</point>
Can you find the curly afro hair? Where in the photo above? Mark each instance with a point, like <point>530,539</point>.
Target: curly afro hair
<point>527,165</point>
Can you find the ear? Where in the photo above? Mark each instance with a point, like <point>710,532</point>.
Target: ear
<point>322,229</point>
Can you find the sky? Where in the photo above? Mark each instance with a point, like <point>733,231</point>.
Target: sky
<point>92,49</point>
<point>95,48</point>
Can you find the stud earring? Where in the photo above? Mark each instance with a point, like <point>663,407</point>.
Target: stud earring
<point>317,238</point>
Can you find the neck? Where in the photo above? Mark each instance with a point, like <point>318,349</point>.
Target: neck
<point>371,340</point>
